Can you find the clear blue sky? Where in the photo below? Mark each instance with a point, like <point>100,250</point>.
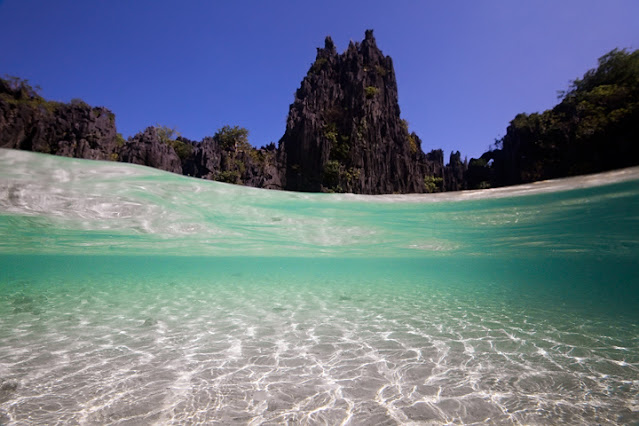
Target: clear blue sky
<point>464,68</point>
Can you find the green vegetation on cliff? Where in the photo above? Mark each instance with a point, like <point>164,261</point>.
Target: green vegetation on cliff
<point>594,128</point>
<point>18,91</point>
<point>233,138</point>
<point>171,136</point>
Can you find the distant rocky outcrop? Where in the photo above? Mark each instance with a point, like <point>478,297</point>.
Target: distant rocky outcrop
<point>228,157</point>
<point>344,132</point>
<point>147,149</point>
<point>455,173</point>
<point>29,122</point>
<point>225,157</point>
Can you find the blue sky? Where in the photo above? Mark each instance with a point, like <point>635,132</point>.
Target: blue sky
<point>464,68</point>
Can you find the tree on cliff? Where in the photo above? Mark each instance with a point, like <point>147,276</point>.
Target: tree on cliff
<point>233,138</point>
<point>170,136</point>
<point>20,87</point>
<point>233,142</point>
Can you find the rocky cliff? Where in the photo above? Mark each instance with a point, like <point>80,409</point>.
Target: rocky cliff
<point>148,149</point>
<point>344,132</point>
<point>594,128</point>
<point>29,122</point>
<point>228,157</point>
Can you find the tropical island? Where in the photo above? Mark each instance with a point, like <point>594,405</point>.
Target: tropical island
<point>344,133</point>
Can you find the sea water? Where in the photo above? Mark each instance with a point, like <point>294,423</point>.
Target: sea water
<point>134,296</point>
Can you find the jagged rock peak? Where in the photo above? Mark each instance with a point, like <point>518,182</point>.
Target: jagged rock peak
<point>329,46</point>
<point>344,131</point>
<point>147,148</point>
<point>369,38</point>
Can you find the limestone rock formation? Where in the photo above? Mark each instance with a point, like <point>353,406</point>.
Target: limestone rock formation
<point>454,175</point>
<point>344,132</point>
<point>29,122</point>
<point>236,163</point>
<point>147,149</point>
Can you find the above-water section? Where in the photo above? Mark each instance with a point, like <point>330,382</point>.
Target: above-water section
<point>134,296</point>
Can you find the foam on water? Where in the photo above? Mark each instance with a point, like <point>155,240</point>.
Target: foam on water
<point>133,296</point>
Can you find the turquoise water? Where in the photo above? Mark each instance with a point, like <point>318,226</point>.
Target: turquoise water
<point>134,296</point>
